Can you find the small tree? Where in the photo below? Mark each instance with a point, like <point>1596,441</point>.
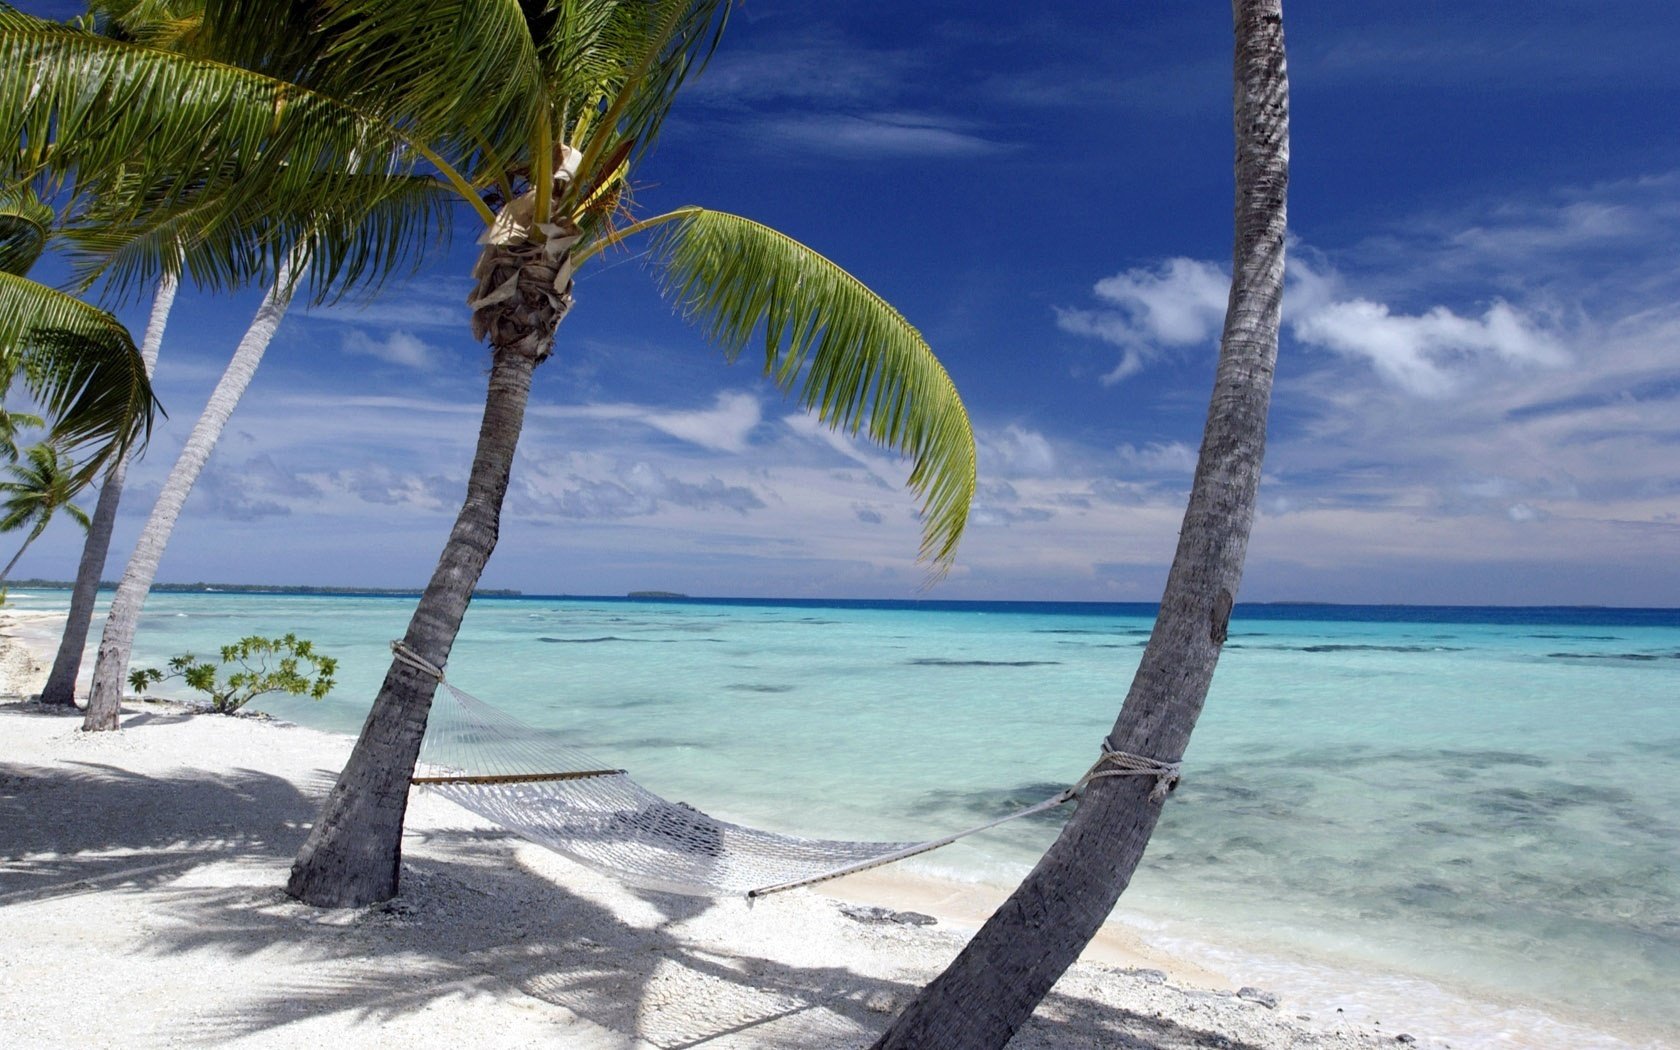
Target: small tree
<point>296,669</point>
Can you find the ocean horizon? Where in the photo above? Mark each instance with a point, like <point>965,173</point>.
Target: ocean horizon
<point>1480,799</point>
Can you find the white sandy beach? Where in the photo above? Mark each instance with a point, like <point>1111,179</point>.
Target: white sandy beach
<point>140,905</point>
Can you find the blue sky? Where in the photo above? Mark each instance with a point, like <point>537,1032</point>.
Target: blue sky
<point>1478,397</point>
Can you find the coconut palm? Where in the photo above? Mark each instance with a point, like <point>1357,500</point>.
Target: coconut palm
<point>128,221</point>
<point>534,116</point>
<point>60,687</point>
<point>175,30</point>
<point>40,486</point>
<point>992,987</point>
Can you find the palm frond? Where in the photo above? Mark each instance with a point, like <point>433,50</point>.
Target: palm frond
<point>642,54</point>
<point>850,356</point>
<point>462,70</point>
<point>25,224</point>
<point>81,367</point>
<point>102,109</point>
<point>357,229</point>
<point>169,25</point>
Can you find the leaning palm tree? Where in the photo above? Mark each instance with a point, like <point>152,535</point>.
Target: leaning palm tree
<point>535,117</point>
<point>574,95</point>
<point>60,688</point>
<point>174,27</point>
<point>193,218</point>
<point>39,487</point>
<point>993,986</point>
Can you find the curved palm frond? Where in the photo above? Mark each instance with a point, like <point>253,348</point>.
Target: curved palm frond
<point>81,367</point>
<point>25,224</point>
<point>170,25</point>
<point>638,59</point>
<point>358,229</point>
<point>851,356</point>
<point>143,130</point>
<point>465,71</point>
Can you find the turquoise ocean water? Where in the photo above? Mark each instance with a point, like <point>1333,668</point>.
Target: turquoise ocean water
<point>1485,799</point>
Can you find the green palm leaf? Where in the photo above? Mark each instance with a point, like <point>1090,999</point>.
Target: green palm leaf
<point>649,48</point>
<point>137,127</point>
<point>358,230</point>
<point>851,356</point>
<point>460,69</point>
<point>25,224</point>
<point>79,364</point>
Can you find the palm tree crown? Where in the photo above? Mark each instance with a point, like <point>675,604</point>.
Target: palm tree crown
<point>40,486</point>
<point>530,116</point>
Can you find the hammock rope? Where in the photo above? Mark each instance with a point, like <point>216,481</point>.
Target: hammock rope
<point>532,783</point>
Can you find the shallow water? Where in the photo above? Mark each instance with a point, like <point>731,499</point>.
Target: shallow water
<point>1485,799</point>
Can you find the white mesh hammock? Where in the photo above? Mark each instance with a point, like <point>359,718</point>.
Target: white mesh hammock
<point>557,796</point>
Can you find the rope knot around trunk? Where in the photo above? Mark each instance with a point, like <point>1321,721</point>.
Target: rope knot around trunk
<point>405,655</point>
<point>1125,764</point>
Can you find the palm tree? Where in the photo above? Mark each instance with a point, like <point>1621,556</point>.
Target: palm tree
<point>41,486</point>
<point>533,116</point>
<point>127,223</point>
<point>60,688</point>
<point>576,94</point>
<point>992,987</point>
<point>174,29</point>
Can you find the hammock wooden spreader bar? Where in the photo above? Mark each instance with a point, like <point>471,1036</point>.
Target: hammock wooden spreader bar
<point>518,778</point>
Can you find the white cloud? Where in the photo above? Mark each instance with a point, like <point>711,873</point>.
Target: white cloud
<point>1425,354</point>
<point>1180,303</point>
<point>1015,451</point>
<point>875,135</point>
<point>1172,457</point>
<point>725,427</point>
<point>400,348</point>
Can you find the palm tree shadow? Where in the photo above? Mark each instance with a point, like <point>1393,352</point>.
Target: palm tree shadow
<point>80,827</point>
<point>473,920</point>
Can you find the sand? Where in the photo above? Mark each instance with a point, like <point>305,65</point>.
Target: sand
<point>140,906</point>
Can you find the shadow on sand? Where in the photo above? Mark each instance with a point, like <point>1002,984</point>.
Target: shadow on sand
<point>471,921</point>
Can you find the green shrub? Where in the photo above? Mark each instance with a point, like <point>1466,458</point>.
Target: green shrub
<point>249,668</point>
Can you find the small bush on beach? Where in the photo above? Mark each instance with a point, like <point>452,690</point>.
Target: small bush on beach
<point>253,666</point>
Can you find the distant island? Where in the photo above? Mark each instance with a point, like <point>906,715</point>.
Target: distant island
<point>655,594</point>
<point>257,588</point>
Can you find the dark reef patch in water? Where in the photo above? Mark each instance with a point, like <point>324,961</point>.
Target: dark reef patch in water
<point>1090,630</point>
<point>588,641</point>
<point>939,661</point>
<point>1104,645</point>
<point>1631,657</point>
<point>1350,648</point>
<point>1347,647</point>
<point>754,687</point>
<point>989,804</point>
<point>1483,757</point>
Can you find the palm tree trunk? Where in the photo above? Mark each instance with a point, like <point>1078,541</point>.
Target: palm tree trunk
<point>61,682</point>
<point>993,986</point>
<point>354,853</point>
<point>110,672</point>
